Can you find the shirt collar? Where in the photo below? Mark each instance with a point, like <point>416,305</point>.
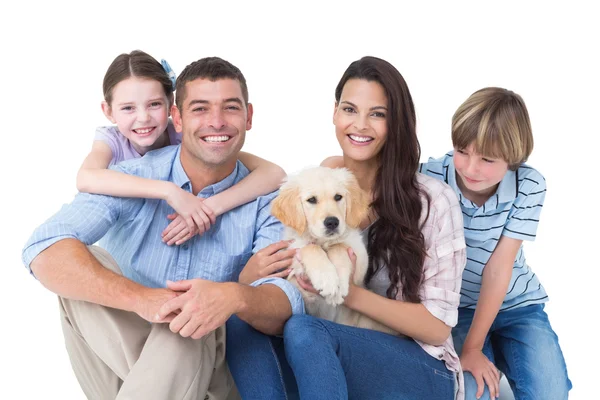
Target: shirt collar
<point>507,190</point>
<point>180,178</point>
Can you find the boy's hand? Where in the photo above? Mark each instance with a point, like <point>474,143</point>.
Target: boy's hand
<point>483,370</point>
<point>192,217</point>
<point>272,261</point>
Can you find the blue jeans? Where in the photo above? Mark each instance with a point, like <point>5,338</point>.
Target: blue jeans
<point>332,361</point>
<point>522,344</point>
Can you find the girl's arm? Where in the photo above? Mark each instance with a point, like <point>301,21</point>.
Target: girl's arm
<point>94,177</point>
<point>264,178</point>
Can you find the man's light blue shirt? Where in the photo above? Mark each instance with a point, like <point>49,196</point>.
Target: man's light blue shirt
<point>513,211</point>
<point>130,230</point>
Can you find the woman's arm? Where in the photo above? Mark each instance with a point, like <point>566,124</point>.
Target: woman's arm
<point>333,162</point>
<point>264,178</point>
<point>410,319</point>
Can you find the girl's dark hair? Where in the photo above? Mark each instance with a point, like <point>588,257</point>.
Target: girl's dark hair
<point>138,64</point>
<point>395,239</point>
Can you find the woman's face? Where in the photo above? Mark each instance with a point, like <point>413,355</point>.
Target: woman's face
<point>360,119</point>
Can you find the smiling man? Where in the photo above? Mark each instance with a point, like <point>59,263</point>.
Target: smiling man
<point>148,323</point>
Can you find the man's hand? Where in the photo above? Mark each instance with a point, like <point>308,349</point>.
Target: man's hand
<point>483,370</point>
<point>272,261</point>
<point>204,306</point>
<point>151,300</point>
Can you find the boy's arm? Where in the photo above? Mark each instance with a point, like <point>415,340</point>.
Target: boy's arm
<point>494,284</point>
<point>264,178</point>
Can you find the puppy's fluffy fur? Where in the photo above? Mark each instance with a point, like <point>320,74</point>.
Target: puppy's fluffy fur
<point>322,209</point>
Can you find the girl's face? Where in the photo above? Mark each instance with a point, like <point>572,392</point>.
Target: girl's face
<point>477,175</point>
<point>360,119</point>
<point>140,109</point>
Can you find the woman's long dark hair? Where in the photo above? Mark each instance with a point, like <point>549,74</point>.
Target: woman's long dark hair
<point>395,239</point>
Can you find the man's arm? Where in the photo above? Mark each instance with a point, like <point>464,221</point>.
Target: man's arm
<point>57,255</point>
<point>68,269</point>
<point>269,302</point>
<point>265,307</point>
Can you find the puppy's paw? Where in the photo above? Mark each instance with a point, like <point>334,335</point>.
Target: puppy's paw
<point>327,284</point>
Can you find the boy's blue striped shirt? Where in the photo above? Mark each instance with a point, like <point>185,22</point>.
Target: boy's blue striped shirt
<point>514,211</point>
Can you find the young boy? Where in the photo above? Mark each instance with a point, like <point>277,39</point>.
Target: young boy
<point>501,318</point>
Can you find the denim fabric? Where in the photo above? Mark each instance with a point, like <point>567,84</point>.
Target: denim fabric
<point>522,344</point>
<point>332,361</point>
<point>257,363</point>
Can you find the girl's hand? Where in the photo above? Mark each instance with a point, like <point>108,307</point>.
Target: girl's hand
<point>483,370</point>
<point>192,217</point>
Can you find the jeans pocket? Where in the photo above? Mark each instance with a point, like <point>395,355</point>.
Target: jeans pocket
<point>444,374</point>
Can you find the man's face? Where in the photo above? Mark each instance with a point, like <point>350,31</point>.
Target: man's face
<point>213,120</point>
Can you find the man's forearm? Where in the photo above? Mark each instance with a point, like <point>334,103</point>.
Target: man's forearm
<point>68,269</point>
<point>265,307</point>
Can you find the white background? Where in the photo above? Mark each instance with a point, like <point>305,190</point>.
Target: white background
<point>54,56</point>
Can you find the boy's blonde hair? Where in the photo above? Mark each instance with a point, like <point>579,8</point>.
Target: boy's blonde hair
<point>497,122</point>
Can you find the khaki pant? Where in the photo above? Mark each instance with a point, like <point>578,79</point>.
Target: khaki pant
<point>117,354</point>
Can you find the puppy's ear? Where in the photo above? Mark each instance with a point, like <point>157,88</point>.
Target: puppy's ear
<point>357,204</point>
<point>287,208</point>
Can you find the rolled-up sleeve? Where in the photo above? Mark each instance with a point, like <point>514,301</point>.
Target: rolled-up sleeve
<point>86,219</point>
<point>446,258</point>
<point>269,230</point>
<point>291,291</point>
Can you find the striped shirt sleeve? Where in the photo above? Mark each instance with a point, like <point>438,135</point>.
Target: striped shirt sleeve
<point>269,230</point>
<point>524,216</point>
<point>87,219</point>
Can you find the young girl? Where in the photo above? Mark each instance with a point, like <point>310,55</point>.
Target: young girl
<point>138,95</point>
<point>416,248</point>
<point>501,318</point>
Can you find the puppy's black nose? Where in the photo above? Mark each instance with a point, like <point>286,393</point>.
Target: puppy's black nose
<point>331,223</point>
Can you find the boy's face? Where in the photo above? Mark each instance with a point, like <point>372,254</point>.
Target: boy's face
<point>476,174</point>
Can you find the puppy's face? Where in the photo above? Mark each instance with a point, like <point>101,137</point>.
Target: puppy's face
<point>321,202</point>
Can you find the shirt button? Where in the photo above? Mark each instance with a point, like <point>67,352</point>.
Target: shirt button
<point>185,246</point>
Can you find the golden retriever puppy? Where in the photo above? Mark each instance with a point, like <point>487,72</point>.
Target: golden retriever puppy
<point>322,209</point>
